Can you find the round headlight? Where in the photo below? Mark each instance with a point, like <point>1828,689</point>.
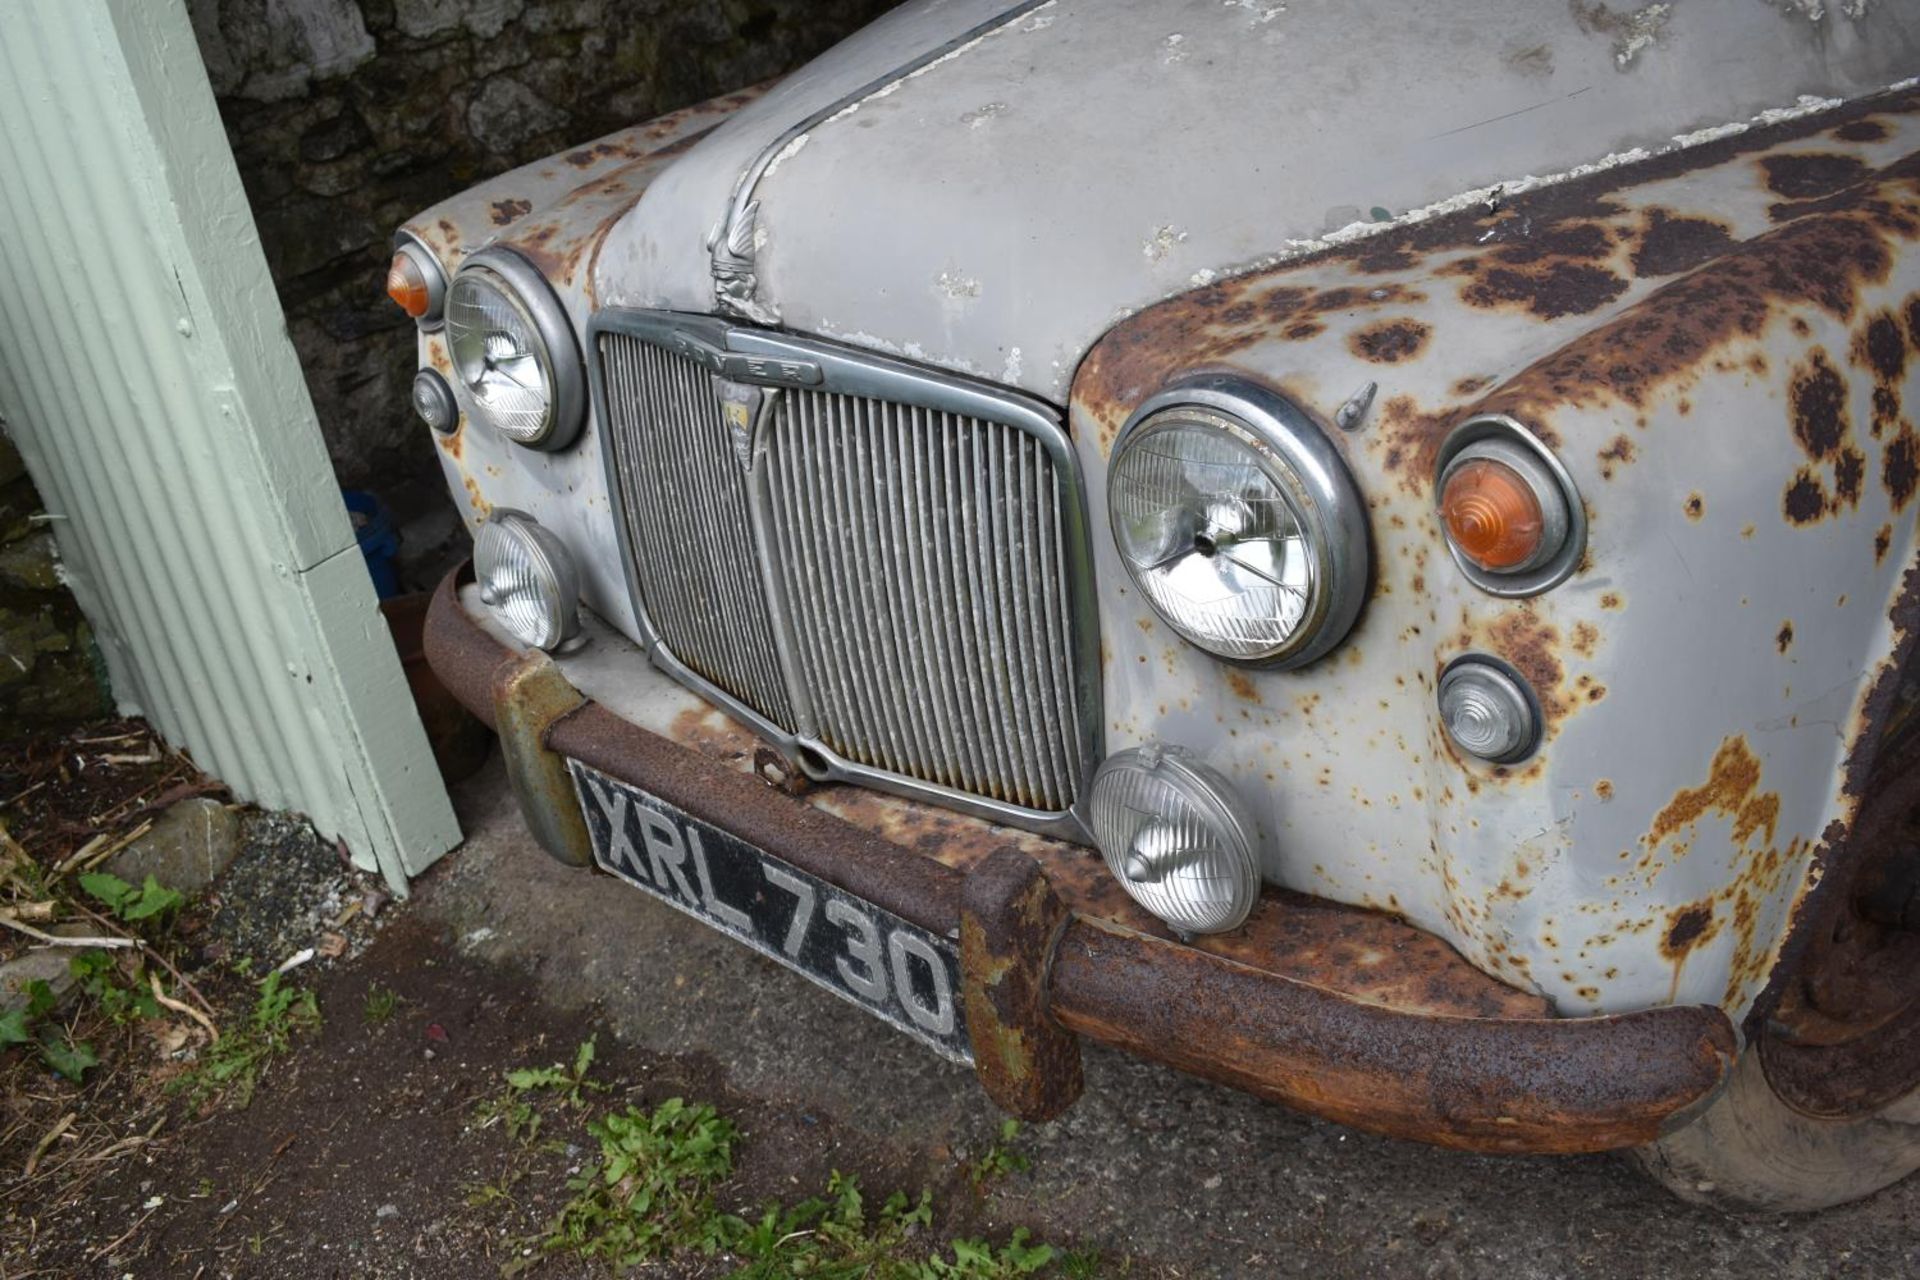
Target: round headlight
<point>515,362</point>
<point>1176,837</point>
<point>528,578</point>
<point>1239,522</point>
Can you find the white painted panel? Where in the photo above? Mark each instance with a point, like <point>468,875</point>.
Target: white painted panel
<point>146,375</point>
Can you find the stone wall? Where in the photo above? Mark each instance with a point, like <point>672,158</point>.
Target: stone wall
<point>50,673</point>
<point>349,116</point>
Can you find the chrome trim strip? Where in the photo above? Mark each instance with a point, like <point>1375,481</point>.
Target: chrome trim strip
<point>731,242</point>
<point>773,361</point>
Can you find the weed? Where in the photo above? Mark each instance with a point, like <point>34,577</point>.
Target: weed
<point>571,1082</point>
<point>58,1049</point>
<point>232,1065</point>
<point>1000,1160</point>
<point>381,1002</point>
<point>1085,1264</point>
<point>828,1239</point>
<point>151,901</point>
<point>99,975</point>
<point>978,1260</point>
<point>515,1108</point>
<point>650,1192</point>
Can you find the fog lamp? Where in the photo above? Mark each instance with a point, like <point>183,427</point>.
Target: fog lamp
<point>529,579</point>
<point>1177,837</point>
<point>1488,711</point>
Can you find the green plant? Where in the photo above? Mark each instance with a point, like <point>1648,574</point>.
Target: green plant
<point>650,1191</point>
<point>978,1260</point>
<point>232,1065</point>
<point>1084,1264</point>
<point>381,1002</point>
<point>99,976</point>
<point>572,1081</point>
<point>58,1049</point>
<point>515,1109</point>
<point>1000,1159</point>
<point>829,1239</point>
<point>150,901</point>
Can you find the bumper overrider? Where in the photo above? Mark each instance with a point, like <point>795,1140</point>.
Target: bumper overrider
<point>1038,976</point>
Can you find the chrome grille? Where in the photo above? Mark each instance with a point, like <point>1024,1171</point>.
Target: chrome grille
<point>684,496</point>
<point>898,581</point>
<point>921,561</point>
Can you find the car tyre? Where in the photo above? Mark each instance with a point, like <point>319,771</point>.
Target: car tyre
<point>1750,1151</point>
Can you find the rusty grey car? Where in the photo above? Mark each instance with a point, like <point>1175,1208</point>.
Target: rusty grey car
<point>1364,552</point>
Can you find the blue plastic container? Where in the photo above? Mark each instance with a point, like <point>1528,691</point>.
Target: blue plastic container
<point>379,542</point>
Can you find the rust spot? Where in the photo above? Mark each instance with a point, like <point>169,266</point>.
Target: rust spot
<point>1819,399</point>
<point>1603,789</point>
<point>1809,175</point>
<point>1819,262</point>
<point>1865,130</point>
<point>1389,341</point>
<point>1586,638</point>
<point>1687,927</point>
<point>1784,640</point>
<point>1410,439</point>
<point>509,211</point>
<point>475,499</point>
<point>1882,348</point>
<point>1610,600</point>
<point>1806,499</point>
<point>1470,386</point>
<point>1881,541</point>
<point>1900,467</point>
<point>1553,289</point>
<point>1242,686</point>
<point>1671,243</point>
<point>1817,396</point>
<point>1731,789</point>
<point>1620,451</point>
<point>1696,506</point>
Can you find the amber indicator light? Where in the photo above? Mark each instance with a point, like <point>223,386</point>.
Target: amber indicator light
<point>1492,514</point>
<point>407,285</point>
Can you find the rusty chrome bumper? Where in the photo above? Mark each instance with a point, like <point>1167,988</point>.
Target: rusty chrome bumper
<point>1336,1011</point>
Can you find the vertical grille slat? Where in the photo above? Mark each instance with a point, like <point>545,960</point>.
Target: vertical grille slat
<point>917,558</point>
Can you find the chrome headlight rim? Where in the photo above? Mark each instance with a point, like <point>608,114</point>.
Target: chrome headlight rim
<point>529,292</point>
<point>1304,464</point>
<point>1506,439</point>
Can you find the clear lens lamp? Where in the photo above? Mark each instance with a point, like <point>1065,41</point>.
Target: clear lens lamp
<point>433,401</point>
<point>529,579</point>
<point>516,363</point>
<point>1488,711</point>
<point>1238,522</point>
<point>1177,838</point>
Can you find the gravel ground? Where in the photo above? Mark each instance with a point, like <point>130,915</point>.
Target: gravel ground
<point>1194,1179</point>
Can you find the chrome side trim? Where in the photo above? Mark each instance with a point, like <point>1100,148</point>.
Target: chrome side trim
<point>779,360</point>
<point>730,243</point>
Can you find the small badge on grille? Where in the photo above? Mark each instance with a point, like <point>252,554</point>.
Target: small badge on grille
<point>739,405</point>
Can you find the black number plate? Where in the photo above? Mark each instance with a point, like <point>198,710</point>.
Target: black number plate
<point>893,969</point>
